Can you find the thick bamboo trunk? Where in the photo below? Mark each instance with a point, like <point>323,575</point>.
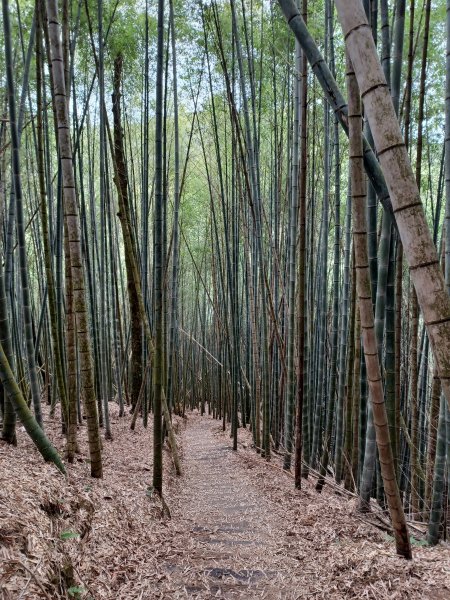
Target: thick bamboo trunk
<point>431,441</point>
<point>72,221</point>
<point>367,317</point>
<point>72,390</point>
<point>356,398</point>
<point>173,331</point>
<point>292,268</point>
<point>414,402</point>
<point>59,368</point>
<point>301,324</point>
<point>158,258</point>
<point>124,215</point>
<point>408,210</point>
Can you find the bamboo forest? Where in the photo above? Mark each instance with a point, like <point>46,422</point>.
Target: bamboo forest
<point>224,299</point>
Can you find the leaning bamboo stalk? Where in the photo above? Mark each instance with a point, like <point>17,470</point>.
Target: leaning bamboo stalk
<point>124,214</point>
<point>333,94</point>
<point>136,278</point>
<point>367,318</point>
<point>138,404</point>
<point>408,210</point>
<point>25,415</point>
<point>130,251</point>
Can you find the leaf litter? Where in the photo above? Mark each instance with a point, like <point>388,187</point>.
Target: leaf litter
<point>239,529</point>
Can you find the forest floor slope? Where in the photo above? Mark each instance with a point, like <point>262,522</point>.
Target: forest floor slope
<point>238,528</point>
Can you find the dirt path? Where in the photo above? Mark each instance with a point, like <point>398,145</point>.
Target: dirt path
<point>231,525</point>
<point>242,531</point>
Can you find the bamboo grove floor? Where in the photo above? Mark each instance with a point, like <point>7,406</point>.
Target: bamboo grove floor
<point>238,529</point>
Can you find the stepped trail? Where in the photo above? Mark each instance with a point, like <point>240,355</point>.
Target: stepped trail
<point>246,533</point>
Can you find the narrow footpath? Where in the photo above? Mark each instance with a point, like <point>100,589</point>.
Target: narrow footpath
<point>243,531</point>
<point>234,548</point>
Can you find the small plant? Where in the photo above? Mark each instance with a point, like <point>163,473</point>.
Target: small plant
<point>75,591</point>
<point>415,542</point>
<point>69,535</point>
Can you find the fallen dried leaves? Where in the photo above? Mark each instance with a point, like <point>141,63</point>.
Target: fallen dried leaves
<point>61,533</point>
<point>238,528</point>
